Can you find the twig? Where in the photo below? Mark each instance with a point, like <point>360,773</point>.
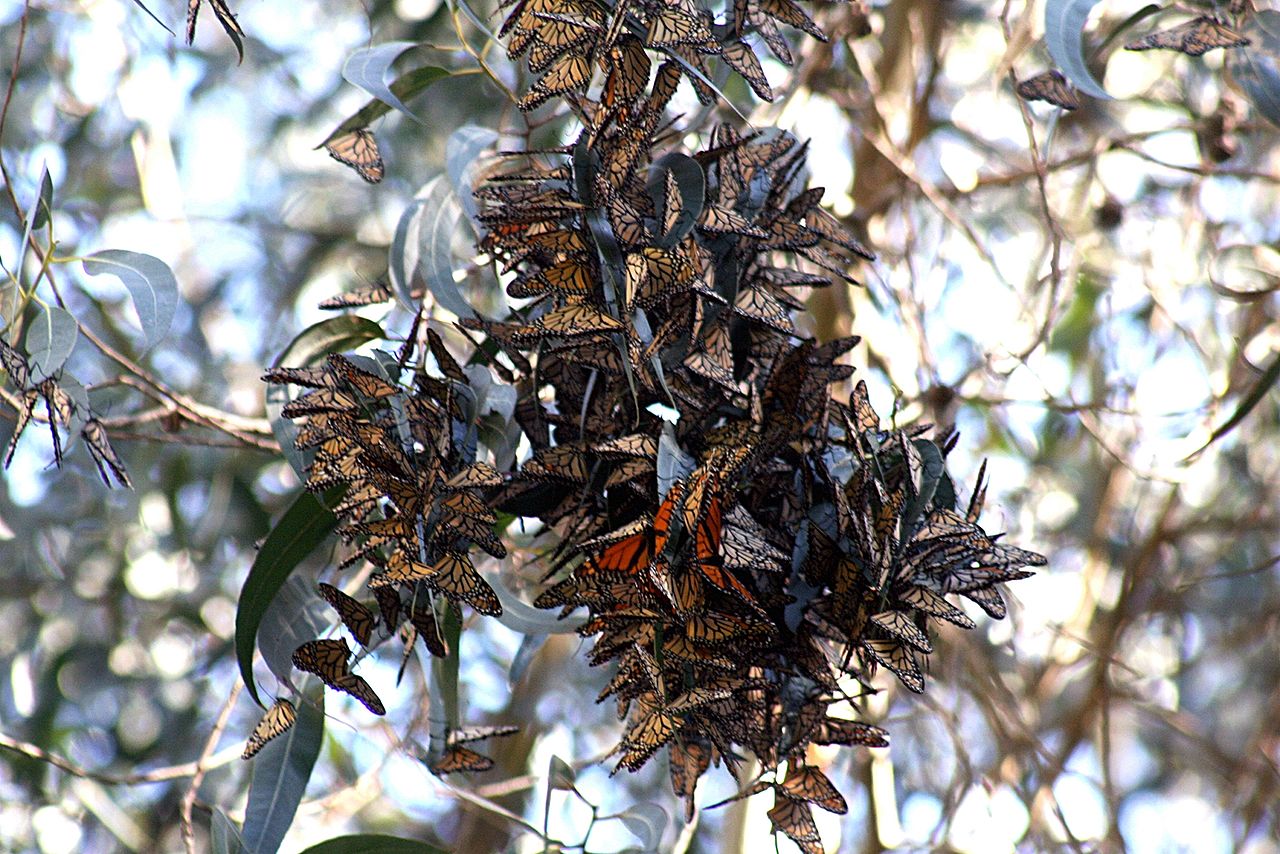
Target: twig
<point>202,766</point>
<point>156,775</point>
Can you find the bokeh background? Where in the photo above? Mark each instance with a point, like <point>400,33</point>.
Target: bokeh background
<point>1086,296</point>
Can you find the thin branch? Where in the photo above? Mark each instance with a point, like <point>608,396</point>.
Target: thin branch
<point>203,765</point>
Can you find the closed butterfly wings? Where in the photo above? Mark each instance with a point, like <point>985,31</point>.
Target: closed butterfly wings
<point>358,149</point>
<point>1194,38</point>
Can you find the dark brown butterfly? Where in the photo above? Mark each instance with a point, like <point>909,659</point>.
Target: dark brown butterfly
<point>1050,86</point>
<point>359,150</point>
<point>355,615</point>
<point>1194,38</point>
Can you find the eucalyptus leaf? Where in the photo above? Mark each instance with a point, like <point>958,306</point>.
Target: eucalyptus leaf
<point>373,843</point>
<point>369,69</point>
<point>224,836</point>
<point>32,216</point>
<point>436,232</point>
<point>281,771</point>
<point>404,87</point>
<point>151,284</point>
<point>44,202</point>
<point>1258,71</point>
<point>295,616</point>
<point>461,153</point>
<point>50,340</point>
<point>304,526</point>
<point>526,619</point>
<point>1064,22</point>
<point>647,821</point>
<point>560,774</point>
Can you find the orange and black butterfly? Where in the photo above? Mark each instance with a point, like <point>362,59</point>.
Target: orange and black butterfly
<point>1194,38</point>
<point>1050,86</point>
<point>646,737</point>
<point>795,819</point>
<point>278,719</point>
<point>454,576</point>
<point>808,784</point>
<point>355,615</point>
<point>458,758</point>
<point>897,657</point>
<point>328,660</point>
<point>367,383</point>
<point>359,150</point>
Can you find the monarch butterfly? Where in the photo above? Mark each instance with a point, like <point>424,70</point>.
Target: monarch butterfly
<point>1194,38</point>
<point>714,360</point>
<point>325,658</point>
<point>328,660</point>
<point>819,220</point>
<point>309,377</point>
<point>570,276</point>
<point>359,150</point>
<point>389,606</point>
<point>791,14</point>
<point>320,401</point>
<point>357,687</point>
<point>454,576</point>
<point>458,758</point>
<point>355,616</point>
<point>720,220</point>
<point>400,569</point>
<point>680,647</point>
<point>926,600</point>
<point>897,658</point>
<point>631,445</point>
<point>561,462</point>
<point>427,627</point>
<point>574,320</point>
<point>849,733</point>
<point>806,783</point>
<point>989,600</point>
<point>275,722</point>
<point>901,627</point>
<point>569,72</point>
<point>707,553</point>
<point>365,382</point>
<point>464,503</point>
<point>759,305</point>
<point>629,471</point>
<point>743,60</point>
<point>795,819</point>
<point>675,26</point>
<point>647,736</point>
<point>104,456</point>
<point>367,293</point>
<point>359,495</point>
<point>475,475</point>
<point>1049,86</point>
<point>690,759</point>
<point>627,73</point>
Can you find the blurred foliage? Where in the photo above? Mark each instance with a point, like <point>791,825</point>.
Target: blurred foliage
<point>1088,296</point>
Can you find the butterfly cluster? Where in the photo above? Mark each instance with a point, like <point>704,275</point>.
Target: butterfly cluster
<point>746,545</point>
<point>749,541</point>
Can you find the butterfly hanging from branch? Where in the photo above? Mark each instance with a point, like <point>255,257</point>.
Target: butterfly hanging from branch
<point>1050,86</point>
<point>223,13</point>
<point>1194,38</point>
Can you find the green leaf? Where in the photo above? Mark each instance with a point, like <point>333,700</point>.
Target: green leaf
<point>224,836</point>
<point>44,204</point>
<point>1256,70</point>
<point>373,843</point>
<point>691,183</point>
<point>151,284</point>
<point>1064,22</point>
<point>404,87</point>
<point>368,69</point>
<point>1265,383</point>
<point>647,821</point>
<point>280,774</point>
<point>302,528</point>
<point>50,340</point>
<point>462,156</point>
<point>560,774</point>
